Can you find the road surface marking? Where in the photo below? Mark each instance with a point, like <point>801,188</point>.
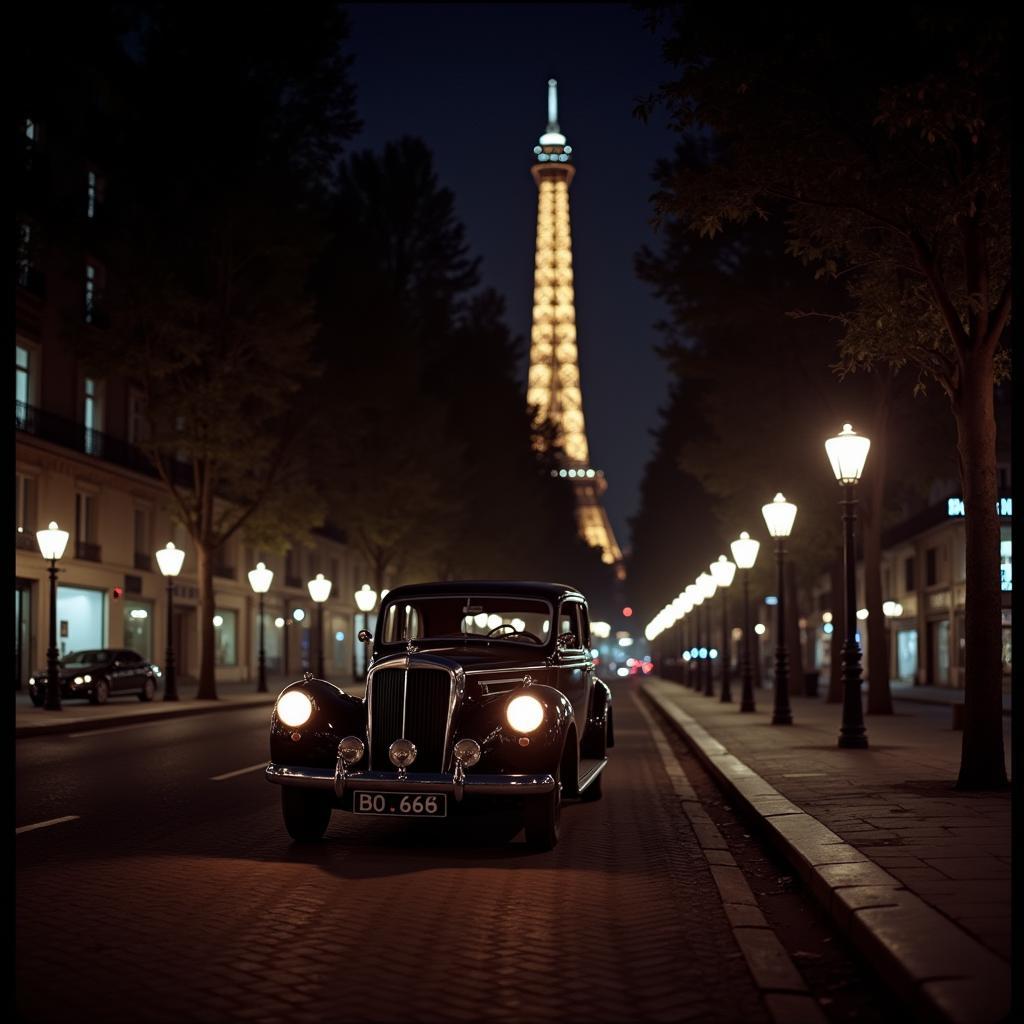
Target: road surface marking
<point>241,771</point>
<point>46,824</point>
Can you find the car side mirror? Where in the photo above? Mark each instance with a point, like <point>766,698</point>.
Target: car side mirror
<point>565,640</point>
<point>365,636</point>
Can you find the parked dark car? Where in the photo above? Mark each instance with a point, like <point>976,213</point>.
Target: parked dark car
<point>98,675</point>
<point>475,692</point>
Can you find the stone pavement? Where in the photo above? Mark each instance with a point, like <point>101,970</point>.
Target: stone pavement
<point>917,872</point>
<point>80,715</point>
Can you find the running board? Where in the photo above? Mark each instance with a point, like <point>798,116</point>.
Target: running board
<point>591,768</point>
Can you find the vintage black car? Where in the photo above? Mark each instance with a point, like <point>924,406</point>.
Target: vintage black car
<point>476,691</point>
<point>98,675</point>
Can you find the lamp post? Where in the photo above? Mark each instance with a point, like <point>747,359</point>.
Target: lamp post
<point>696,599</point>
<point>707,584</point>
<point>170,559</point>
<point>723,572</point>
<point>779,515</point>
<point>319,590</point>
<point>744,553</point>
<point>52,541</point>
<point>365,598</point>
<point>847,452</point>
<point>260,579</point>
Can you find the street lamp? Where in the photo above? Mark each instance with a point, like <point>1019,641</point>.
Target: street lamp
<point>52,541</point>
<point>778,517</point>
<point>723,572</point>
<point>707,585</point>
<point>169,559</point>
<point>847,452</point>
<point>365,598</point>
<point>744,553</point>
<point>319,590</point>
<point>260,579</point>
<point>696,599</point>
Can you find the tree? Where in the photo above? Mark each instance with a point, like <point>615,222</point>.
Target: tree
<point>889,153</point>
<point>211,232</point>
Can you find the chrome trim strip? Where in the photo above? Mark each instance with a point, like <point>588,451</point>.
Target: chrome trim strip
<point>593,774</point>
<point>518,668</point>
<point>487,785</point>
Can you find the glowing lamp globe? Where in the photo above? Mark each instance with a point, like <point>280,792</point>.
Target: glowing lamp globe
<point>847,452</point>
<point>779,515</point>
<point>723,571</point>
<point>319,589</point>
<point>365,598</point>
<point>260,578</point>
<point>744,550</point>
<point>169,559</point>
<point>52,541</point>
<point>707,585</point>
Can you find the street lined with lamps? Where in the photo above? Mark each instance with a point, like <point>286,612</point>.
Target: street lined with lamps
<point>847,453</point>
<point>779,515</point>
<point>169,559</point>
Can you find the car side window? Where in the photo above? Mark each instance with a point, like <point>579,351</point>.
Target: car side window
<point>569,622</point>
<point>584,627</point>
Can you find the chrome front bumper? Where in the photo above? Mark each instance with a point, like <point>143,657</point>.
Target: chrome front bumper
<point>392,782</point>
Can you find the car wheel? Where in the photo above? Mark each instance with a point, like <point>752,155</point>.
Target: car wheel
<point>100,692</point>
<point>148,689</point>
<point>37,699</point>
<point>541,818</point>
<point>306,813</point>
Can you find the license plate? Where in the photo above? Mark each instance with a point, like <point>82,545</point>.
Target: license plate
<point>401,805</point>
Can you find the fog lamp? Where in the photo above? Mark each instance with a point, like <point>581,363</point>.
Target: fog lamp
<point>402,753</point>
<point>294,708</point>
<point>351,749</point>
<point>524,713</point>
<point>467,752</point>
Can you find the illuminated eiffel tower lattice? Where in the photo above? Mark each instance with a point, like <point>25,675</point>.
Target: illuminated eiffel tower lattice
<point>553,387</point>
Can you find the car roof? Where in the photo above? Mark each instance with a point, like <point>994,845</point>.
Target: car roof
<point>485,588</point>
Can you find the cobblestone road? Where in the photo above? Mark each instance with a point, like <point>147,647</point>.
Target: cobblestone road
<point>181,899</point>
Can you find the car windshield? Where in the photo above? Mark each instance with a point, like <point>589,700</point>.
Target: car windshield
<point>84,657</point>
<point>515,619</point>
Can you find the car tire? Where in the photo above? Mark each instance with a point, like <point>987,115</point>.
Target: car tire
<point>100,692</point>
<point>541,816</point>
<point>147,691</point>
<point>37,699</point>
<point>306,813</point>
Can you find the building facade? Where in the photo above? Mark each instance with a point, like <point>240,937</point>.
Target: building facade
<point>77,462</point>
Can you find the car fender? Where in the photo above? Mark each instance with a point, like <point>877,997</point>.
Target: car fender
<point>599,717</point>
<point>336,714</point>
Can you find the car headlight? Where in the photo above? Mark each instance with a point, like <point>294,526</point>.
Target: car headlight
<point>87,678</point>
<point>79,680</point>
<point>32,681</point>
<point>524,713</point>
<point>294,708</point>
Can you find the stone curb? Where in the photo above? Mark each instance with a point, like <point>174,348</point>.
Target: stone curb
<point>930,963</point>
<point>88,724</point>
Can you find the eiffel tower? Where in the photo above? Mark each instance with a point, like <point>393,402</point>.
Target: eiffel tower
<point>553,385</point>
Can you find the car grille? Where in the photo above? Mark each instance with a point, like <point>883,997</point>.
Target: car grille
<point>427,696</point>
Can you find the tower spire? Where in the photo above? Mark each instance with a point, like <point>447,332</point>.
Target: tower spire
<point>552,105</point>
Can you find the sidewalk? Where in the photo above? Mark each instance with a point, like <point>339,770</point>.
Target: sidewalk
<point>80,715</point>
<point>915,872</point>
<point>947,695</point>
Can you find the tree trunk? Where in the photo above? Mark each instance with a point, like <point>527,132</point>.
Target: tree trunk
<point>879,694</point>
<point>982,761</point>
<point>794,647</point>
<point>204,571</point>
<point>835,672</point>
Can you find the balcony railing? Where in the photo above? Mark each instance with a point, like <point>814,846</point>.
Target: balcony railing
<point>87,551</point>
<point>143,561</point>
<point>49,427</point>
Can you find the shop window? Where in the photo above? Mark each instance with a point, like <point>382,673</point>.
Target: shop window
<point>906,655</point>
<point>138,628</point>
<point>225,637</point>
<point>81,619</point>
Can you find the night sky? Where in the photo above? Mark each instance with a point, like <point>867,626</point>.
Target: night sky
<point>471,80</point>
